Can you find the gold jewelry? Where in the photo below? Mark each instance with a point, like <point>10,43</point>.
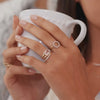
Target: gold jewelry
<point>7,65</point>
<point>46,55</point>
<point>55,44</point>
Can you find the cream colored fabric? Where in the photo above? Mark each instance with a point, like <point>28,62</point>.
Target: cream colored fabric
<point>51,96</point>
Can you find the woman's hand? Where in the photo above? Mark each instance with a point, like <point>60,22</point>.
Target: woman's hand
<point>65,69</point>
<point>22,83</point>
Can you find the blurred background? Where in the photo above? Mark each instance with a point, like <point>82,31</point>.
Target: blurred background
<point>9,8</point>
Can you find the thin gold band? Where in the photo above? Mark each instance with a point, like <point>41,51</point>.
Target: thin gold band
<point>7,65</point>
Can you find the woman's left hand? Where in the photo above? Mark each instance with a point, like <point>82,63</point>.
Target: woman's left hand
<point>65,69</point>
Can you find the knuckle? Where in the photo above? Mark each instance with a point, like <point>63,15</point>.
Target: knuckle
<point>30,26</point>
<point>43,35</point>
<point>67,55</point>
<point>55,29</point>
<point>70,55</point>
<point>74,51</point>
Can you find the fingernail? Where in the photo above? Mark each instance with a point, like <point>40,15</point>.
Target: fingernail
<point>14,17</point>
<point>19,57</point>
<point>23,22</point>
<point>34,17</point>
<point>31,70</point>
<point>17,37</point>
<point>23,48</point>
<point>17,29</point>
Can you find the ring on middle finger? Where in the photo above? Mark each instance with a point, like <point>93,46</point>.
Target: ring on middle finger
<point>55,44</point>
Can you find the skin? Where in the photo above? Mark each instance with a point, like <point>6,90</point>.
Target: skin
<point>93,48</point>
<point>69,80</point>
<point>19,80</point>
<point>76,80</point>
<point>2,0</point>
<point>41,4</point>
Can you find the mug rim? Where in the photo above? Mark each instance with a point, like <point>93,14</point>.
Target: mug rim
<point>28,11</point>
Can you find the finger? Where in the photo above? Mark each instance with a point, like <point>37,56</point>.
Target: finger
<point>32,44</point>
<point>12,52</point>
<point>55,31</point>
<point>37,64</point>
<point>42,35</point>
<point>19,30</point>
<point>15,22</point>
<point>11,41</point>
<point>16,70</point>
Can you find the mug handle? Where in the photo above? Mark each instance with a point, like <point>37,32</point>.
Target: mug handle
<point>83,31</point>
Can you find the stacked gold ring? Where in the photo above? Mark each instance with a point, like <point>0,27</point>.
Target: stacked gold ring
<point>46,55</point>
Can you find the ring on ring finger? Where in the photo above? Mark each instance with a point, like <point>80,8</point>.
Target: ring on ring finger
<point>46,55</point>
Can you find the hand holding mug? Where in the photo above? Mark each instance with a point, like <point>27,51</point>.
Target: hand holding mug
<point>64,22</point>
<point>65,66</point>
<point>22,83</point>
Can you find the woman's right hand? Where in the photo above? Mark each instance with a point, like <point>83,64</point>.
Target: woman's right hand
<point>22,83</point>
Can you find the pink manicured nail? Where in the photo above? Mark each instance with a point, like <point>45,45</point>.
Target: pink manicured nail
<point>23,48</point>
<point>19,57</point>
<point>17,29</point>
<point>31,70</point>
<point>34,17</point>
<point>23,22</point>
<point>17,37</point>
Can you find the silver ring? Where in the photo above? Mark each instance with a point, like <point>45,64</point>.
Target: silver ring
<point>46,55</point>
<point>55,44</point>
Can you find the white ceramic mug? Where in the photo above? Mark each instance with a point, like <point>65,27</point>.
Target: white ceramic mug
<point>63,21</point>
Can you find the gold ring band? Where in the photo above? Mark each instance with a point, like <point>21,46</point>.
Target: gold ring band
<point>46,55</point>
<point>7,65</point>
